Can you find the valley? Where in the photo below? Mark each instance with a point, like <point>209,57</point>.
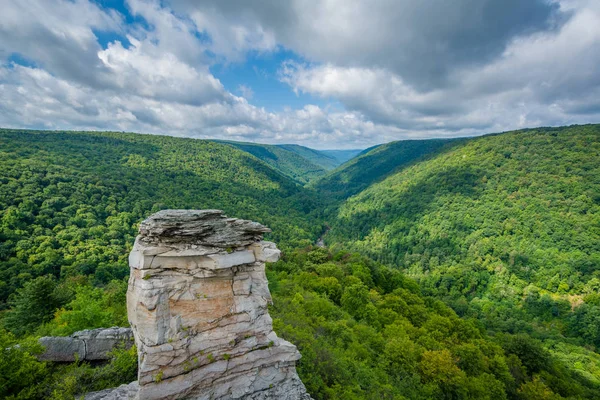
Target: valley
<point>452,268</point>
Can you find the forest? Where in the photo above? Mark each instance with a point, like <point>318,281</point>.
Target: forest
<point>455,269</point>
<point>299,163</point>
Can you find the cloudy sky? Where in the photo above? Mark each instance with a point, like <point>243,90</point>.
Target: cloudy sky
<point>322,73</point>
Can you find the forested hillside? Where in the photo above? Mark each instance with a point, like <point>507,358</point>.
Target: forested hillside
<point>70,202</point>
<point>504,228</point>
<point>366,331</point>
<point>320,158</point>
<point>463,269</point>
<point>296,162</point>
<point>373,165</point>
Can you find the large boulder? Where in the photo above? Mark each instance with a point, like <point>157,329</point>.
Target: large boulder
<point>197,303</point>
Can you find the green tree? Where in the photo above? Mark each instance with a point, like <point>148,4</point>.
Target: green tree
<point>33,305</point>
<point>20,372</point>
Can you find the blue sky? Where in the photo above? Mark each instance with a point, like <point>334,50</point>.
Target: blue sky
<point>328,74</point>
<point>259,72</point>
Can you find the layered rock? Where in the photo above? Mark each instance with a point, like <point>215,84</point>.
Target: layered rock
<point>197,303</point>
<point>90,345</point>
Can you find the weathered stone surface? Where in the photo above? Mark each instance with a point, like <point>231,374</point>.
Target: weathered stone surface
<point>197,302</point>
<point>91,345</point>
<point>62,349</point>
<point>123,392</point>
<point>209,228</point>
<point>99,342</point>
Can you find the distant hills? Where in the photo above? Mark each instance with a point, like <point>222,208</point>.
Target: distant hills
<point>342,155</point>
<point>321,158</point>
<point>376,163</point>
<point>300,163</point>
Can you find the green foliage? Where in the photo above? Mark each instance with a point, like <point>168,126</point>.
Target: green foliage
<point>578,359</point>
<point>500,233</point>
<point>383,339</point>
<point>70,202</point>
<point>20,372</point>
<point>34,304</point>
<point>374,164</point>
<point>91,308</point>
<point>66,381</point>
<point>503,228</point>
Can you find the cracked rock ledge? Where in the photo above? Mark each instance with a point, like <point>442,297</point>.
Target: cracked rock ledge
<point>197,304</point>
<point>89,345</point>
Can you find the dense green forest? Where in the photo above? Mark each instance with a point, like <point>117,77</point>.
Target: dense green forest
<point>297,162</point>
<point>365,331</point>
<point>462,269</point>
<point>321,158</point>
<point>503,228</point>
<point>70,202</point>
<point>375,164</point>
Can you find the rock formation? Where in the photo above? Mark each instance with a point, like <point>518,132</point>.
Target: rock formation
<point>197,303</point>
<point>90,345</point>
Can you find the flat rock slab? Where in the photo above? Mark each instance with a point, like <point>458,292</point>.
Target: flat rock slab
<point>180,228</point>
<point>90,345</point>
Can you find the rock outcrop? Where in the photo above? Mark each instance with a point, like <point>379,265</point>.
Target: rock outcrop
<point>90,345</point>
<point>197,303</point>
<point>123,392</point>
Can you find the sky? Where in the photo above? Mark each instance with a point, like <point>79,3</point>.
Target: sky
<point>328,74</point>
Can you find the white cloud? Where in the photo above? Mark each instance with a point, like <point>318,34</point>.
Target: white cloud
<point>421,40</point>
<point>58,35</point>
<point>246,91</point>
<point>543,78</point>
<point>34,98</point>
<point>145,70</point>
<point>401,69</point>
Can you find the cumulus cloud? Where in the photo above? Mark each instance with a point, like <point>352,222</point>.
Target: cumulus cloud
<point>421,40</point>
<point>157,82</point>
<point>34,98</point>
<point>399,69</point>
<point>59,36</point>
<point>542,77</point>
<point>145,70</point>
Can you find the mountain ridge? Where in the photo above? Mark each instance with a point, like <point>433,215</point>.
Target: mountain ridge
<point>374,164</point>
<point>290,160</point>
